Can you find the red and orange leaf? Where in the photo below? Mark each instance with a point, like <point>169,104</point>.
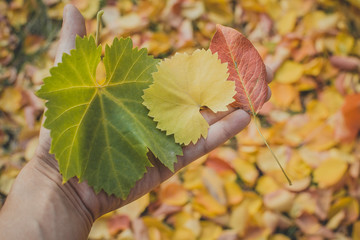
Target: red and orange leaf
<point>351,112</point>
<point>245,66</point>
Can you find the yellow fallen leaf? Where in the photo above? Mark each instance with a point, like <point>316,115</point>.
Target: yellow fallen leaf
<point>99,229</point>
<point>332,99</point>
<point>159,43</point>
<point>214,185</point>
<point>182,233</point>
<point>156,228</point>
<point>135,208</point>
<point>286,23</point>
<point>317,110</point>
<point>31,148</point>
<point>322,138</point>
<point>329,172</point>
<point>192,178</point>
<point>219,11</point>
<point>348,205</point>
<point>279,236</point>
<point>189,224</point>
<point>335,221</point>
<point>234,194</point>
<point>205,204</point>
<point>209,230</point>
<point>304,202</point>
<point>182,86</point>
<point>246,213</point>
<point>344,43</point>
<point>280,200</point>
<point>297,168</point>
<point>266,184</point>
<point>314,67</point>
<point>247,171</point>
<point>10,100</point>
<point>356,231</point>
<point>319,21</point>
<point>289,72</point>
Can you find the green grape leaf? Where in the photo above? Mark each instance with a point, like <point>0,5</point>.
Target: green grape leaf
<point>101,132</point>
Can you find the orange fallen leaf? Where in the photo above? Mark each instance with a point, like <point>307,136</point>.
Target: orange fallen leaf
<point>351,112</point>
<point>173,194</point>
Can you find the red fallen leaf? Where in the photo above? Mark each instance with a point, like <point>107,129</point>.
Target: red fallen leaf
<point>218,164</point>
<point>345,63</point>
<point>245,66</point>
<point>118,223</point>
<point>351,112</point>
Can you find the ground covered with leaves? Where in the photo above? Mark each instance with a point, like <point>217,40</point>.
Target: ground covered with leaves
<point>237,191</point>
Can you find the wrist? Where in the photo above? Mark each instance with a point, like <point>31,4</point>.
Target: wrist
<point>43,206</point>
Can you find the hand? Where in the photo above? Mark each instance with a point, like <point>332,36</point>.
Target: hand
<point>79,199</point>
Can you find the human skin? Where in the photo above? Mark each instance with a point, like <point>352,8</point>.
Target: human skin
<point>40,206</point>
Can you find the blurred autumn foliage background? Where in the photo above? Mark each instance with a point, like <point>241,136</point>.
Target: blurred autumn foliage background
<point>237,191</point>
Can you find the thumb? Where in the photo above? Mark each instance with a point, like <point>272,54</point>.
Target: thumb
<point>73,24</point>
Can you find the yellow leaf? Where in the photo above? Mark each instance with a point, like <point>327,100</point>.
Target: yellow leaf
<point>31,148</point>
<point>205,204</point>
<point>246,170</point>
<point>192,178</point>
<point>329,172</point>
<point>286,23</point>
<point>159,43</point>
<point>135,208</point>
<point>266,184</point>
<point>314,67</point>
<point>99,229</point>
<point>182,233</point>
<point>280,200</point>
<point>234,194</point>
<point>153,223</point>
<point>189,225</point>
<point>289,72</point>
<point>344,43</point>
<point>245,213</point>
<point>219,11</point>
<point>297,168</point>
<point>182,86</point>
<point>304,202</point>
<point>209,230</point>
<point>319,22</point>
<point>279,237</point>
<point>10,100</point>
<point>356,231</point>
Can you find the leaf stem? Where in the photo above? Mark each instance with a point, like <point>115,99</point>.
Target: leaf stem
<point>257,127</point>
<point>272,152</point>
<point>98,20</point>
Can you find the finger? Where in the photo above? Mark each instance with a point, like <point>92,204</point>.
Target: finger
<point>269,74</point>
<point>268,94</point>
<point>219,132</point>
<point>73,24</point>
<point>212,117</point>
